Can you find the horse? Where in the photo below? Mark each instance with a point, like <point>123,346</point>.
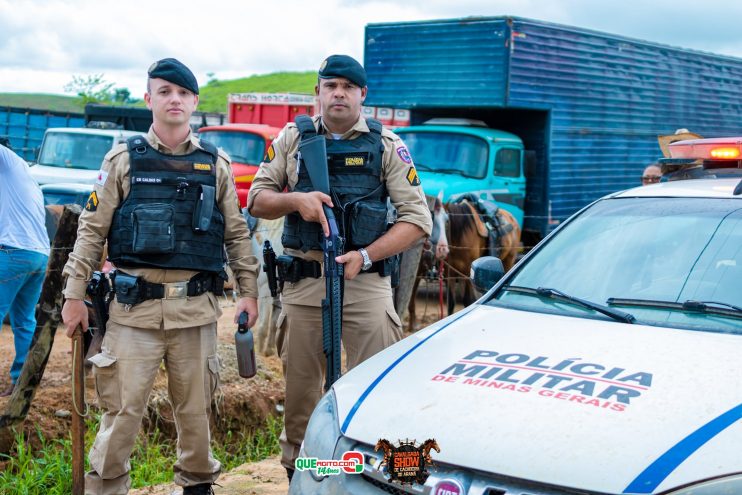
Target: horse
<point>269,308</point>
<point>427,446</point>
<point>435,249</point>
<point>386,446</point>
<point>469,234</point>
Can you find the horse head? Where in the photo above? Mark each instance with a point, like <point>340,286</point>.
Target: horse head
<point>438,236</point>
<point>428,445</point>
<point>386,446</point>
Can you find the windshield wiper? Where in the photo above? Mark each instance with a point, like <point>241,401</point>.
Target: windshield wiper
<point>706,307</point>
<point>555,294</point>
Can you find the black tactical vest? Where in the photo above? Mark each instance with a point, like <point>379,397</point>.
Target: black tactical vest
<point>358,194</point>
<point>170,219</point>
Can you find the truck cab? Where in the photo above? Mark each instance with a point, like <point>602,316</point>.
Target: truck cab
<point>246,145</point>
<point>74,155</point>
<point>456,156</point>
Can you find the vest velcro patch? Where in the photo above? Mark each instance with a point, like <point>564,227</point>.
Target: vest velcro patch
<point>202,166</point>
<point>412,177</point>
<point>355,161</point>
<point>92,204</point>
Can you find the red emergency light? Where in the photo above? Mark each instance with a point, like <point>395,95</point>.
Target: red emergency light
<point>727,148</point>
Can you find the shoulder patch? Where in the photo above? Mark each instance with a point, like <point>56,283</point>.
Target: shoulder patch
<point>412,177</point>
<point>270,154</point>
<point>404,154</point>
<point>92,204</point>
<point>101,179</point>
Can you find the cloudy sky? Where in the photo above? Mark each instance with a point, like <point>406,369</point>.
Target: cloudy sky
<point>44,43</point>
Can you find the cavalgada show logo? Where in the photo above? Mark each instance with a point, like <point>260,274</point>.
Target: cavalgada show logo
<point>407,462</point>
<point>573,380</point>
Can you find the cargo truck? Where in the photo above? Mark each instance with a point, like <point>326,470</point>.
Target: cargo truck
<point>547,117</point>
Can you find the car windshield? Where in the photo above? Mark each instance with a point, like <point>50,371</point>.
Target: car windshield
<point>448,152</point>
<point>74,150</point>
<point>242,147</point>
<point>651,249</point>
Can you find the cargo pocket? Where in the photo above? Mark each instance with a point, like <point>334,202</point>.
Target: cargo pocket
<point>214,365</point>
<point>105,373</point>
<point>394,328</point>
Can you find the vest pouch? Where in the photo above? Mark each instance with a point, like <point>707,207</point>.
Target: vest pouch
<point>367,222</point>
<point>154,228</point>
<point>204,208</point>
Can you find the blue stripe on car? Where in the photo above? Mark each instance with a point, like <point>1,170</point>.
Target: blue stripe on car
<point>370,388</point>
<point>660,469</point>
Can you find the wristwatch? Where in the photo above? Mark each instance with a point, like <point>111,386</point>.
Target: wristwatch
<point>366,260</point>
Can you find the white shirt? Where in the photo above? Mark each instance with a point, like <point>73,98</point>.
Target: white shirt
<point>22,213</point>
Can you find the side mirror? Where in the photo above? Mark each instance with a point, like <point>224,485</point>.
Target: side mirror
<point>485,272</point>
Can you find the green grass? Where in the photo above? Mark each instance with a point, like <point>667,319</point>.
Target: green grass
<point>57,103</point>
<point>48,471</point>
<point>213,96</point>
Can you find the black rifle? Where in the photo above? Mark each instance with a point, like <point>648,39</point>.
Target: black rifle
<point>314,155</point>
<point>269,267</point>
<point>100,293</point>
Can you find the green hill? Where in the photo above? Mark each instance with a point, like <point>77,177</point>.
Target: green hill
<point>40,101</point>
<point>213,95</point>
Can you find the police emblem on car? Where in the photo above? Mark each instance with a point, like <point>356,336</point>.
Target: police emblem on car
<point>407,463</point>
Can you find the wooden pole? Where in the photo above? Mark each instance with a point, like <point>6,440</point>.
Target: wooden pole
<point>79,411</point>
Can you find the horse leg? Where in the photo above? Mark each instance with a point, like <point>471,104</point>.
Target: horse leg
<point>451,287</point>
<point>412,317</point>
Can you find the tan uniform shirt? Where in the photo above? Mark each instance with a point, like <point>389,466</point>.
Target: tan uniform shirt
<point>112,188</point>
<point>397,171</point>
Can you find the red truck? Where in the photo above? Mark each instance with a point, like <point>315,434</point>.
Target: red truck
<point>255,119</point>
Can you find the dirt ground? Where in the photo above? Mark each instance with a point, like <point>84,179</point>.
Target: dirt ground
<point>245,403</point>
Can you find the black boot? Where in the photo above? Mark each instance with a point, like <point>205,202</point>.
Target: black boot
<point>290,474</point>
<point>200,489</point>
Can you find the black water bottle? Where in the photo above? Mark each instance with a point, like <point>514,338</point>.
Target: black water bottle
<point>245,348</point>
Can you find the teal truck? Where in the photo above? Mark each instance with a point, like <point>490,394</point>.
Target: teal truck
<point>541,117</point>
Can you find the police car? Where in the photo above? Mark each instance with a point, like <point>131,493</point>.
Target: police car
<point>607,361</point>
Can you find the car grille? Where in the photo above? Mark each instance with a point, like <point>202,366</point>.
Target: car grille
<point>474,482</point>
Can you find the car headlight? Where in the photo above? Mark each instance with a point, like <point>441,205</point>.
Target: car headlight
<point>730,485</point>
<point>323,430</point>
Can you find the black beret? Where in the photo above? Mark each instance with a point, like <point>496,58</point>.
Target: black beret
<point>174,71</point>
<point>343,66</point>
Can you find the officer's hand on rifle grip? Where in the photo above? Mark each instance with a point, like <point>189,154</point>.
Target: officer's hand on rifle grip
<point>309,206</point>
<point>74,312</point>
<point>352,262</point>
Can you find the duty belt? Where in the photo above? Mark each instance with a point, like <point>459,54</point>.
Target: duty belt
<point>292,269</point>
<point>132,290</point>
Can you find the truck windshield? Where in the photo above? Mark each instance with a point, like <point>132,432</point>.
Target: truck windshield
<point>74,150</point>
<point>241,147</point>
<point>447,152</point>
<point>666,250</point>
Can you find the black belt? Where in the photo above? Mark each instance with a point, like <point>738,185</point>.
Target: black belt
<point>297,269</point>
<point>144,291</point>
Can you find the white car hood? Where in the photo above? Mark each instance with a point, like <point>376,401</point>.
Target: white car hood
<point>583,403</point>
<point>44,174</point>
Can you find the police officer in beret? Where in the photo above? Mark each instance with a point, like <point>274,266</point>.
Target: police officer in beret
<point>166,205</point>
<point>368,165</point>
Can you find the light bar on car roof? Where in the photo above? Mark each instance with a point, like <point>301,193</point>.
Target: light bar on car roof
<point>729,148</point>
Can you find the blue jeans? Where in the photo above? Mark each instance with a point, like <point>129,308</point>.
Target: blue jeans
<point>22,273</point>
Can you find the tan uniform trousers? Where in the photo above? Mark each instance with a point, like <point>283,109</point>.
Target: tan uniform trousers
<point>124,372</point>
<point>369,325</point>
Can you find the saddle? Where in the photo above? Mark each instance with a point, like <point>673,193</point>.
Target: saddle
<point>490,225</point>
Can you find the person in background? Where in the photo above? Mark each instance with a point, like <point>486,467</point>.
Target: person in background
<point>24,253</point>
<point>651,175</point>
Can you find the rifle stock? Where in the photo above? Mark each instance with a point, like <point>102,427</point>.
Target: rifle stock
<point>314,155</point>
